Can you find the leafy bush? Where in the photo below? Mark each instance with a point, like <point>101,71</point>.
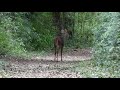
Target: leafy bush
<point>43,32</point>
<point>83,36</point>
<point>4,42</point>
<point>9,26</point>
<point>107,40</point>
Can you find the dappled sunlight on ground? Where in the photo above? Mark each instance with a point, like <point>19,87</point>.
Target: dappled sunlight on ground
<point>70,55</point>
<point>45,66</point>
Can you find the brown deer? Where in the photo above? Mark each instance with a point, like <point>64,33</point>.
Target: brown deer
<point>59,41</point>
<point>59,44</point>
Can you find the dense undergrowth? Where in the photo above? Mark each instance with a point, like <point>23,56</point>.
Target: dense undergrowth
<point>106,48</point>
<point>87,69</point>
<point>22,32</point>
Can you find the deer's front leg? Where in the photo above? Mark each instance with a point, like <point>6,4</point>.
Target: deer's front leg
<point>55,54</point>
<point>61,52</point>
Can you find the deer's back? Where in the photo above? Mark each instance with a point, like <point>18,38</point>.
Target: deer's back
<point>59,42</point>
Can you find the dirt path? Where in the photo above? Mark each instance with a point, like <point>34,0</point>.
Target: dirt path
<point>46,67</point>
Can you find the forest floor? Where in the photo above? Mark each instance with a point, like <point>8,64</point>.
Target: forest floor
<point>45,66</point>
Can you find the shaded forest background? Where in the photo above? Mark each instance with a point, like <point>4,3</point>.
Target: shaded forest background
<point>24,32</point>
<point>35,31</point>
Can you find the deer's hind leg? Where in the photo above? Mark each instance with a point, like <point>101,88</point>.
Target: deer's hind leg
<point>55,54</point>
<point>61,52</point>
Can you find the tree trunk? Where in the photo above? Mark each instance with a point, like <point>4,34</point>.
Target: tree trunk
<point>57,20</point>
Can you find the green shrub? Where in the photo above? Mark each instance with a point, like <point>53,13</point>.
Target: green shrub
<point>9,27</point>
<point>107,40</point>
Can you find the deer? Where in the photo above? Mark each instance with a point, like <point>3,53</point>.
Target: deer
<point>59,42</point>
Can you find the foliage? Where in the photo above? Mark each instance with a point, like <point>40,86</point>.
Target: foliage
<point>84,22</point>
<point>8,30</point>
<point>43,32</point>
<point>107,40</point>
<point>87,69</point>
<point>25,31</point>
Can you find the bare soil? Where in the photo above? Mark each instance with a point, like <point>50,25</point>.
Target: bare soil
<point>46,67</point>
